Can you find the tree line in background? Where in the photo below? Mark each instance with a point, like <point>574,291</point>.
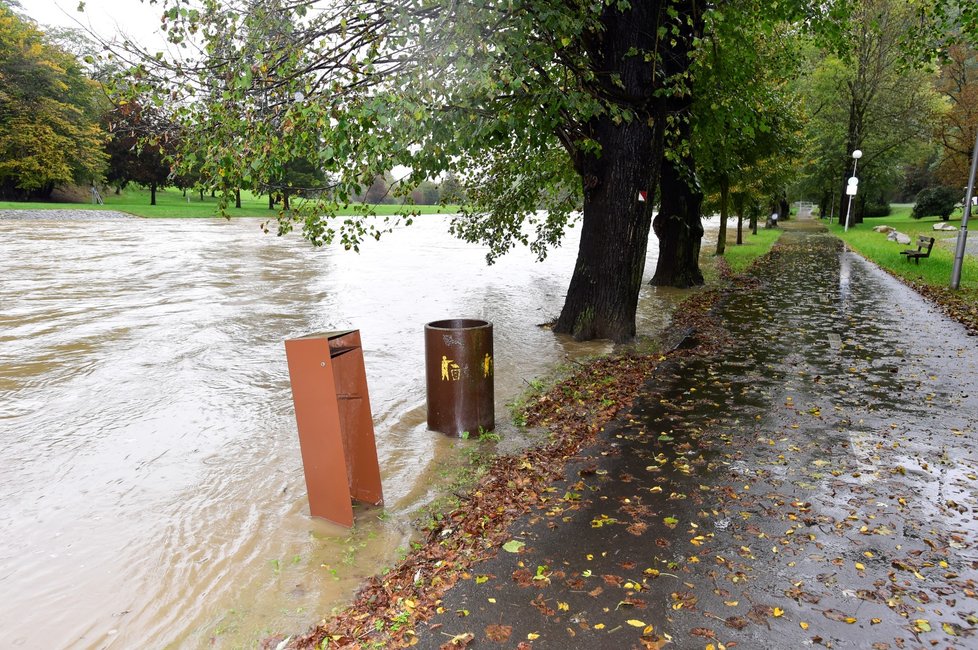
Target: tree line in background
<point>532,113</point>
<point>60,128</point>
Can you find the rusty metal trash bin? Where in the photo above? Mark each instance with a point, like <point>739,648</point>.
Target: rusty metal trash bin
<point>459,372</point>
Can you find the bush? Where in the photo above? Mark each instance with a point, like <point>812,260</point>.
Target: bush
<point>936,202</point>
<point>871,210</point>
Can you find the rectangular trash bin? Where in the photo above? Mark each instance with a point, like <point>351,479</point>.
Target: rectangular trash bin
<point>336,431</point>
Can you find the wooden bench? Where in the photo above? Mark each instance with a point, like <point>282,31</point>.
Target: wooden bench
<point>924,246</point>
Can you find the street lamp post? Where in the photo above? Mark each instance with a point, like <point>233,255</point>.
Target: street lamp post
<point>853,185</point>
<point>963,233</point>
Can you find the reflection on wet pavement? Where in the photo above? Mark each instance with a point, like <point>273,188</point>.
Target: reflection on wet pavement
<point>814,486</point>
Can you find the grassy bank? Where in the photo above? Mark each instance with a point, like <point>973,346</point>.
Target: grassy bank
<point>932,275</point>
<point>172,204</point>
<point>736,258</point>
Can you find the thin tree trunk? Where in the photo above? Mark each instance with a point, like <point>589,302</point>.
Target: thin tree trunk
<point>739,207</point>
<point>724,213</point>
<point>152,193</point>
<point>237,198</point>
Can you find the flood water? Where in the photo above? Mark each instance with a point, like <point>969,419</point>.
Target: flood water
<point>151,488</point>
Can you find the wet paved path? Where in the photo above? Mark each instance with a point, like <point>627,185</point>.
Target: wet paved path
<point>815,487</point>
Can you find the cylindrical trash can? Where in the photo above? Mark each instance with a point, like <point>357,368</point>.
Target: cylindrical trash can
<point>459,370</point>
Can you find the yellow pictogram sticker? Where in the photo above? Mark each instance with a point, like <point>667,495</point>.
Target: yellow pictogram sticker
<point>487,366</point>
<point>450,371</point>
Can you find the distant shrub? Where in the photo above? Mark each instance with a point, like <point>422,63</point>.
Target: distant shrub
<point>876,210</point>
<point>936,202</point>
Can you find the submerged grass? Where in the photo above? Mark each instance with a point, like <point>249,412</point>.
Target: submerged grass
<point>172,204</point>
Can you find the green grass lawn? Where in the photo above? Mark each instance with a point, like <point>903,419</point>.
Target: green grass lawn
<point>740,257</point>
<point>932,277</point>
<point>737,258</point>
<point>171,203</point>
<point>933,271</point>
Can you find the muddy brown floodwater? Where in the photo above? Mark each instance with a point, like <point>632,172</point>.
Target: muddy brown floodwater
<point>150,480</point>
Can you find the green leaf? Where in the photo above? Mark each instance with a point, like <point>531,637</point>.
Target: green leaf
<point>513,546</point>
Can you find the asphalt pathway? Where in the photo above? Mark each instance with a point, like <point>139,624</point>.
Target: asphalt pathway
<point>814,486</point>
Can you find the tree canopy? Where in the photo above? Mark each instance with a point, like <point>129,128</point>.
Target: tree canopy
<point>545,111</point>
<point>49,109</point>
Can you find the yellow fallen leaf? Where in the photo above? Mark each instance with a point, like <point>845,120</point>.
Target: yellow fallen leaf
<point>492,600</point>
<point>634,622</point>
<point>731,603</point>
<point>563,606</point>
<point>778,612</point>
<point>803,625</point>
<point>532,636</point>
<point>860,566</point>
<point>599,626</point>
<point>922,625</point>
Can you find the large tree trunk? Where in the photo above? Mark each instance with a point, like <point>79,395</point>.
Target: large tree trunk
<point>603,294</point>
<point>679,228</point>
<point>678,225</point>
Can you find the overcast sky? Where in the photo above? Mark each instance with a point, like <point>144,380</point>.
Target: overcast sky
<point>106,18</point>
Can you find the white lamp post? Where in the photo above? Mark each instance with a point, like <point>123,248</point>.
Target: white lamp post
<point>963,233</point>
<point>853,185</point>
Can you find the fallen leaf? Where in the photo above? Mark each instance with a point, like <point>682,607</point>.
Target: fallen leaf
<point>499,633</point>
<point>737,622</point>
<point>704,632</point>
<point>459,641</point>
<point>634,622</point>
<point>922,625</point>
<point>513,546</point>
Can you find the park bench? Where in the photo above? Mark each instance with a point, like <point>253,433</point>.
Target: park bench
<point>924,246</point>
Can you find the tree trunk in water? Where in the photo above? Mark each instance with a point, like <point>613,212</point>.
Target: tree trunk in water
<point>603,294</point>
<point>152,193</point>
<point>678,225</point>
<point>724,213</point>
<point>679,228</point>
<point>237,198</point>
